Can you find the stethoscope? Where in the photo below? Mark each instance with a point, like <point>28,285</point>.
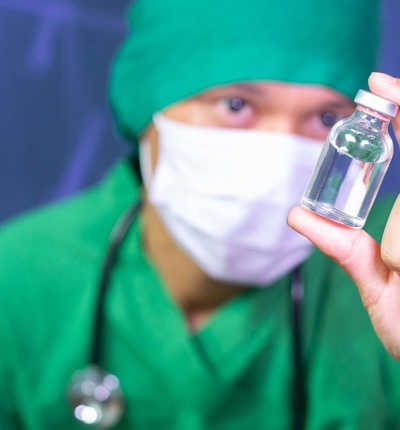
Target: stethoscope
<point>95,395</point>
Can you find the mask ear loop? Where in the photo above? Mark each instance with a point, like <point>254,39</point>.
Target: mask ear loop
<point>146,167</point>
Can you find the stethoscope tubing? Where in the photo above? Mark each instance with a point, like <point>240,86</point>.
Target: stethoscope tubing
<point>299,395</point>
<point>117,236</point>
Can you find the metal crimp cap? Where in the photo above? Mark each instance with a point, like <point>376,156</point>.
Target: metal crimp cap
<point>376,103</point>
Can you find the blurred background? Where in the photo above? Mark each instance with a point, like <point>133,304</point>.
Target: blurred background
<point>56,129</point>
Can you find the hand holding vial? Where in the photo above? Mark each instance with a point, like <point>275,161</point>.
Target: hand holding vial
<point>374,268</point>
<point>353,162</point>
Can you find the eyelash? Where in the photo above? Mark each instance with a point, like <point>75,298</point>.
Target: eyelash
<point>239,112</point>
<point>236,104</point>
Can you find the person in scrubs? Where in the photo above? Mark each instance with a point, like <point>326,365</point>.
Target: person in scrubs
<point>217,315</point>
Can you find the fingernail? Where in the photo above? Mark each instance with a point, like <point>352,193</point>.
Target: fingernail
<point>386,78</point>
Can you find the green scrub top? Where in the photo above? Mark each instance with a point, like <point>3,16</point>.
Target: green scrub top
<point>236,372</point>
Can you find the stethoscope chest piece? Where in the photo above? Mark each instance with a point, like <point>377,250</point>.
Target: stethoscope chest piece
<point>96,397</point>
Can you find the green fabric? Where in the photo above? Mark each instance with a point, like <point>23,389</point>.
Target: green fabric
<point>236,373</point>
<point>178,48</point>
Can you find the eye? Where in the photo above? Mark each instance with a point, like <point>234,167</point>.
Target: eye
<point>235,111</point>
<point>328,118</point>
<point>235,104</point>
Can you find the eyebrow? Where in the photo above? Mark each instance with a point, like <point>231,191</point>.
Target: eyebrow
<point>254,89</point>
<point>337,104</point>
<point>249,88</point>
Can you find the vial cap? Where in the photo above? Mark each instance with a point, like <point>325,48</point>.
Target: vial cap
<point>377,103</point>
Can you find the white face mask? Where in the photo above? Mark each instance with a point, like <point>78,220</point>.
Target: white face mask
<point>224,195</point>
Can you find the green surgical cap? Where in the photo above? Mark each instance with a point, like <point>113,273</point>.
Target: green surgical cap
<point>177,48</point>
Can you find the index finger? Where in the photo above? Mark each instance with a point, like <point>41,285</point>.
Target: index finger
<point>389,87</point>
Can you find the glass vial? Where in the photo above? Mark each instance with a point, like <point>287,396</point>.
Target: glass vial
<point>353,163</point>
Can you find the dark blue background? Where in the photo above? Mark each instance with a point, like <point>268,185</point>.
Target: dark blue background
<point>56,129</point>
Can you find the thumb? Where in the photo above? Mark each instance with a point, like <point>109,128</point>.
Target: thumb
<point>353,249</point>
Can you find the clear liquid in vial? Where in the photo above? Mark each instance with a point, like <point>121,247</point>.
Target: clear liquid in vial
<point>342,187</point>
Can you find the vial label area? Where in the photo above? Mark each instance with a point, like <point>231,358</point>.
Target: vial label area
<point>342,187</point>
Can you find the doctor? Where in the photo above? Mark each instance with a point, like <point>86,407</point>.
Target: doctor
<point>217,315</point>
